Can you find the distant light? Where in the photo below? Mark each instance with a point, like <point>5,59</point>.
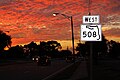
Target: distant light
<point>6,48</point>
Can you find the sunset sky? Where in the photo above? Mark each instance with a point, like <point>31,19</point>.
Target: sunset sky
<point>32,20</point>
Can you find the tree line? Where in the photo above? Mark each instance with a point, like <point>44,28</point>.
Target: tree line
<point>51,48</point>
<point>100,49</point>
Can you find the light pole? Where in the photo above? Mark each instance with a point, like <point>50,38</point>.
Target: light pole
<point>71,21</point>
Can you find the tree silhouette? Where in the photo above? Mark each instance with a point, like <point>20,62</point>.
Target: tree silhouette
<point>114,48</point>
<point>16,52</point>
<point>33,49</point>
<point>99,48</point>
<point>43,48</point>
<point>53,47</point>
<point>5,40</point>
<point>82,49</point>
<point>49,48</point>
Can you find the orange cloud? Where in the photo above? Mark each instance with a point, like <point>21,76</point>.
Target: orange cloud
<point>115,32</point>
<point>32,20</point>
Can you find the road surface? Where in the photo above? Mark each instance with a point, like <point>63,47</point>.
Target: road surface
<point>30,71</point>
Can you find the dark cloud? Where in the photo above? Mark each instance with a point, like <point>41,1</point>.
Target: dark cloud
<point>116,9</point>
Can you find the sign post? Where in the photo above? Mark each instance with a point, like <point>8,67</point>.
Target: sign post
<point>91,31</point>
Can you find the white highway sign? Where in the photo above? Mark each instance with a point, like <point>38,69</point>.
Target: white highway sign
<point>91,33</point>
<point>91,19</point>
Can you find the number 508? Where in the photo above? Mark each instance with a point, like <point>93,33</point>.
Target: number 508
<point>89,34</point>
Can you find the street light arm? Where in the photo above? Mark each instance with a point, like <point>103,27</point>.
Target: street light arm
<point>68,17</point>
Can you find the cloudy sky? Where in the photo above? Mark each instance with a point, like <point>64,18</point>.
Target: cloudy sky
<point>32,20</point>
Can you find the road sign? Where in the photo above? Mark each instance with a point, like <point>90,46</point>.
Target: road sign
<point>91,19</point>
<point>91,32</point>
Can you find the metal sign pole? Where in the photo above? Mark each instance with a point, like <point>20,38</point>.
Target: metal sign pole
<point>91,49</point>
<point>91,61</point>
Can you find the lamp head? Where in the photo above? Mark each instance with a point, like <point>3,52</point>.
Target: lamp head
<point>55,14</point>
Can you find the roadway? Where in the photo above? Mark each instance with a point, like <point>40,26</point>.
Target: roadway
<point>30,71</point>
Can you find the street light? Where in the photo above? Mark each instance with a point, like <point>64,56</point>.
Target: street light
<point>71,20</point>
